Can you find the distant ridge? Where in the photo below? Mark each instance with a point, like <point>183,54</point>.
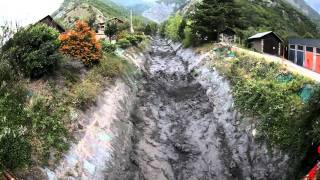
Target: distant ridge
<point>306,9</point>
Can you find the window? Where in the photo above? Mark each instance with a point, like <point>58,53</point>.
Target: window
<point>292,46</point>
<point>318,50</point>
<point>310,49</point>
<point>300,47</point>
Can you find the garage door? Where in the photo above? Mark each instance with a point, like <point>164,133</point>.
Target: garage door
<point>308,62</point>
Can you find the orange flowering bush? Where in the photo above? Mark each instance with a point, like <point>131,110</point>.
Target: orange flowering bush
<point>81,43</point>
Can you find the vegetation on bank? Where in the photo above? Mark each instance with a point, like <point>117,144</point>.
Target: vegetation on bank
<point>81,43</point>
<point>42,91</point>
<point>284,106</point>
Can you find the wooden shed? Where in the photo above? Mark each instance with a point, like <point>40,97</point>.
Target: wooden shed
<point>306,53</point>
<point>48,20</point>
<point>267,42</point>
<point>228,36</point>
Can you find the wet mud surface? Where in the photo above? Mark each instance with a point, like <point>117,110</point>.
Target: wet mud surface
<point>178,123</point>
<point>185,126</point>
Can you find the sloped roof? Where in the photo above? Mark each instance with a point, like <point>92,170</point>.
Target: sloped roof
<point>56,24</point>
<point>306,42</point>
<point>261,35</point>
<point>117,19</point>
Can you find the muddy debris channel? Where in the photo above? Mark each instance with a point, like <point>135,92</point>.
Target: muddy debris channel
<point>181,125</point>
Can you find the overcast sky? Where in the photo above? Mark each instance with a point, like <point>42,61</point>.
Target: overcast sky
<point>28,11</point>
<point>315,4</point>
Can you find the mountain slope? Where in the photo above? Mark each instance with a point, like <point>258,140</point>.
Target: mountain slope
<point>302,6</point>
<point>277,16</point>
<point>262,15</point>
<point>71,10</point>
<point>107,7</point>
<point>127,3</point>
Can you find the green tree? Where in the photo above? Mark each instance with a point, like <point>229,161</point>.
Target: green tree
<point>148,30</point>
<point>111,29</point>
<point>92,21</point>
<point>181,29</point>
<point>33,51</point>
<point>213,16</point>
<point>151,28</point>
<point>172,27</point>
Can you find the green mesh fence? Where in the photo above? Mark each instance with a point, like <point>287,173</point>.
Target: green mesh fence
<point>224,51</point>
<point>284,78</point>
<point>306,93</point>
<point>231,54</point>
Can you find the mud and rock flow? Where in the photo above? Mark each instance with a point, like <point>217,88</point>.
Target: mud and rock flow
<point>186,128</point>
<point>179,125</point>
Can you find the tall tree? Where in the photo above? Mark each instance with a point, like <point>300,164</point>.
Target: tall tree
<point>111,29</point>
<point>182,26</point>
<point>92,20</point>
<point>213,16</point>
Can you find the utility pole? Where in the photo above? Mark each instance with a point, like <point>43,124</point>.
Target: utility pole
<point>131,24</point>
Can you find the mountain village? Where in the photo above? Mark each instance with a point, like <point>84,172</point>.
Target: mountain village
<point>171,89</point>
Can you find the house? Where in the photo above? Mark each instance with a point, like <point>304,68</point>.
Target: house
<point>101,23</point>
<point>267,42</point>
<point>306,53</point>
<point>116,20</point>
<point>48,20</point>
<point>228,36</point>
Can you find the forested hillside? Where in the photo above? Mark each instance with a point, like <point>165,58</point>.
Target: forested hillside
<point>251,17</point>
<point>302,5</point>
<point>277,16</point>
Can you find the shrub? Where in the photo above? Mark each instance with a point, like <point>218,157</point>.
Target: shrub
<point>122,35</point>
<point>139,38</point>
<point>33,51</point>
<point>81,43</point>
<point>110,66</point>
<point>189,38</point>
<point>14,150</point>
<point>123,43</point>
<point>47,127</point>
<point>86,93</point>
<point>172,27</point>
<point>132,39</point>
<point>108,48</point>
<point>6,73</point>
<point>283,118</point>
<point>151,28</point>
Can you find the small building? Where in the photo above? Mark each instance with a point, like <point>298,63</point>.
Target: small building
<point>228,36</point>
<point>306,53</point>
<point>101,23</point>
<point>116,20</point>
<point>267,42</point>
<point>48,20</point>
